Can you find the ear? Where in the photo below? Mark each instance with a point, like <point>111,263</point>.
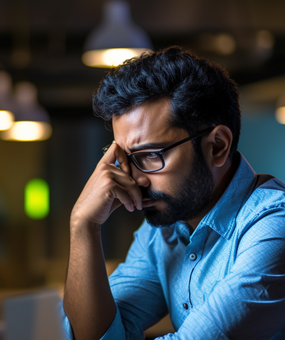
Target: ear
<point>218,144</point>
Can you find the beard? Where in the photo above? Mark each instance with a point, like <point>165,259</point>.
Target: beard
<point>193,196</point>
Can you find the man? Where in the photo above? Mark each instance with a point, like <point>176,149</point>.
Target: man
<point>211,251</point>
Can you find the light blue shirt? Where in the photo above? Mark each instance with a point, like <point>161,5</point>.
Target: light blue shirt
<point>225,280</point>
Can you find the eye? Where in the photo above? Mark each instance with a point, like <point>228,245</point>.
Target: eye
<point>151,156</point>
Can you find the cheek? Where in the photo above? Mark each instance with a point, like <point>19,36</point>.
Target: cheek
<point>178,164</point>
<point>168,182</point>
<point>181,154</point>
<point>177,167</point>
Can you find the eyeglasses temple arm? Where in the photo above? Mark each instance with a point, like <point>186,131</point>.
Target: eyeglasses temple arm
<point>188,138</point>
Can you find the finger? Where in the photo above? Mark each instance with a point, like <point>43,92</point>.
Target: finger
<point>119,195</point>
<point>122,158</point>
<point>122,197</point>
<point>115,153</point>
<point>130,185</point>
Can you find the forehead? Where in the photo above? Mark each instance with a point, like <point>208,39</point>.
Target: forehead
<point>146,123</point>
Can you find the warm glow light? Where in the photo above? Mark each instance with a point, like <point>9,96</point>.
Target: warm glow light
<point>264,39</point>
<point>280,115</point>
<point>28,131</point>
<point>110,57</point>
<point>6,120</point>
<point>37,198</point>
<point>225,43</point>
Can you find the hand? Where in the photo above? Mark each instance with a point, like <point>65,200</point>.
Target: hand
<point>108,188</point>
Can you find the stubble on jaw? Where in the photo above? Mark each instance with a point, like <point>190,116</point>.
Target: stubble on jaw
<point>193,196</point>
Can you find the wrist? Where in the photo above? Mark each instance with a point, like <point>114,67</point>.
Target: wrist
<point>80,225</point>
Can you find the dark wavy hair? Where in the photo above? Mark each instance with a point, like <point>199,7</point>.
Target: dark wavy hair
<point>201,93</point>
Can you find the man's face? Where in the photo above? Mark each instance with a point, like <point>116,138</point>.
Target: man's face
<point>183,188</point>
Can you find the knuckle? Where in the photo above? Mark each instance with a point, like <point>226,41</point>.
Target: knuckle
<point>109,181</point>
<point>102,166</point>
<point>109,195</point>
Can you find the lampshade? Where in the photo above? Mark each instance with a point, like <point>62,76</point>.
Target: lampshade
<point>116,40</point>
<point>7,105</point>
<point>32,122</point>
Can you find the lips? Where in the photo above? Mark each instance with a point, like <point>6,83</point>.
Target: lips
<point>148,202</point>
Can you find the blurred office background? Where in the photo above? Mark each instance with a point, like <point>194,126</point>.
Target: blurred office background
<point>41,47</point>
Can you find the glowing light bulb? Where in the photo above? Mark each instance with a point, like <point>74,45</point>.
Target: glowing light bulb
<point>110,57</point>
<point>6,120</point>
<point>28,131</point>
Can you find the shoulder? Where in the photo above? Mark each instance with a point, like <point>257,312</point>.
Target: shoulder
<point>264,207</point>
<point>268,196</point>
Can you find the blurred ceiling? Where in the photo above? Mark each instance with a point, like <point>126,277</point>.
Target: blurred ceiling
<point>42,41</point>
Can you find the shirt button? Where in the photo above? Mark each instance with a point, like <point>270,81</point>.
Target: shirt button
<point>193,257</point>
<point>185,305</point>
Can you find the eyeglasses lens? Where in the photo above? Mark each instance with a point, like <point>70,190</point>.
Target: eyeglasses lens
<point>147,160</point>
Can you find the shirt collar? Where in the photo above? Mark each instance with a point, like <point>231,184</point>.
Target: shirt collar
<point>222,217</point>
<point>183,231</point>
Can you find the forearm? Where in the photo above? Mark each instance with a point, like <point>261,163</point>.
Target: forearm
<point>88,301</point>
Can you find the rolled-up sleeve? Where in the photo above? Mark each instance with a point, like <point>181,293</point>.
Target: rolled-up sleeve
<point>137,293</point>
<point>115,331</point>
<point>68,334</point>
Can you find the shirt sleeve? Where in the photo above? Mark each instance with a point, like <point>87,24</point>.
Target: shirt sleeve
<point>67,330</point>
<point>137,292</point>
<point>137,289</point>
<point>249,303</point>
<point>116,330</point>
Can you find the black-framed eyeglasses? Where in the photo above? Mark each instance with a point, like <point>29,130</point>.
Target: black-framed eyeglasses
<point>152,160</point>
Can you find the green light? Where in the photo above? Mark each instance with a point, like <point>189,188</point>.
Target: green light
<point>37,198</point>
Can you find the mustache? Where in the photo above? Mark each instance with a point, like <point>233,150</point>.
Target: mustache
<point>155,195</point>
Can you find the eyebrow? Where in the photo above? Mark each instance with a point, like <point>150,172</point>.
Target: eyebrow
<point>148,146</point>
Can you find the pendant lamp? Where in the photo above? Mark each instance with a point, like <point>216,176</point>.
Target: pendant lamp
<point>116,39</point>
<point>32,122</point>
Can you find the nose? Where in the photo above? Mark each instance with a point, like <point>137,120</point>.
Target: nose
<point>141,178</point>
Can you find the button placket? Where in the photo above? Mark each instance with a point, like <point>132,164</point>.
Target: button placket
<point>195,251</point>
